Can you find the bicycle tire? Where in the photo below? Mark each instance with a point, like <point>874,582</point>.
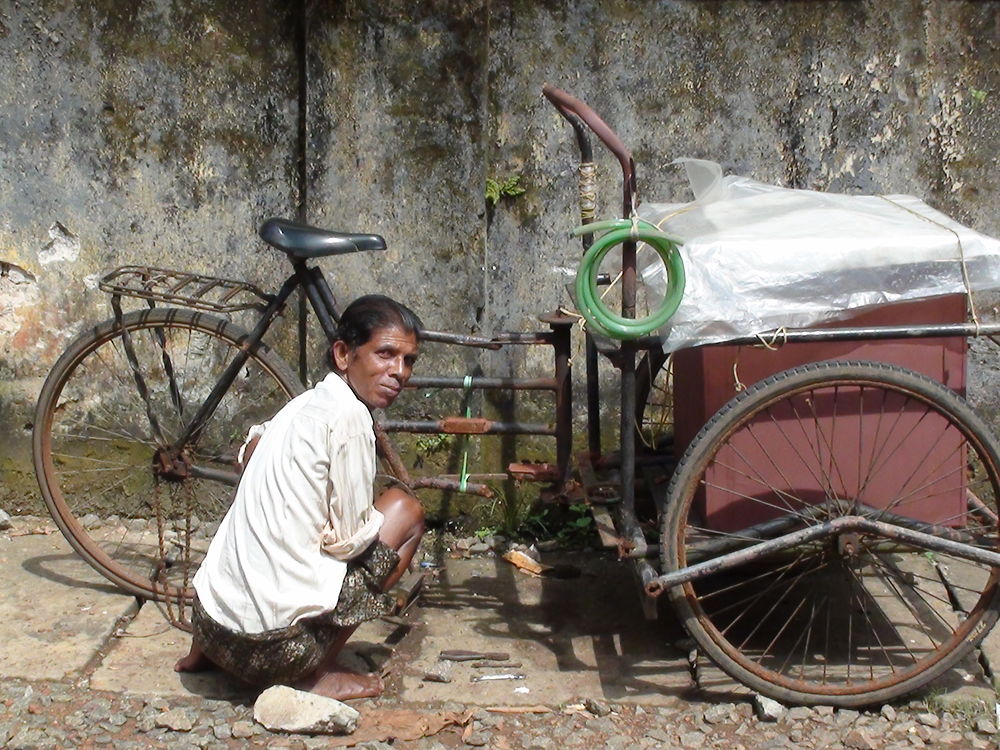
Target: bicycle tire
<point>879,439</point>
<point>94,443</point>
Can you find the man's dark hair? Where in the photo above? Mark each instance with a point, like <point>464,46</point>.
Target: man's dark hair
<point>369,313</point>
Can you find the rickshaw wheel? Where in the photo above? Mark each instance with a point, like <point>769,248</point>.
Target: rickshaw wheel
<point>851,619</point>
<point>654,403</point>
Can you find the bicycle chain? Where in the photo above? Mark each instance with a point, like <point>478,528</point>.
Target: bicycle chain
<point>179,620</point>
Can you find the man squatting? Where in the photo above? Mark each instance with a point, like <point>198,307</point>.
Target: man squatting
<point>304,555</point>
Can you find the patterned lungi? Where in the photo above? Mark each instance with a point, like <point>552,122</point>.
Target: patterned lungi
<point>285,655</point>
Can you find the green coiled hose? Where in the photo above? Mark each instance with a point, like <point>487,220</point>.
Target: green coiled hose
<point>599,316</point>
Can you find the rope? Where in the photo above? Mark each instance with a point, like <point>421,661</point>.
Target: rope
<point>678,212</point>
<point>774,344</point>
<point>778,338</point>
<point>588,190</point>
<point>580,320</point>
<point>738,385</point>
<point>961,256</point>
<point>613,284</point>
<point>463,480</point>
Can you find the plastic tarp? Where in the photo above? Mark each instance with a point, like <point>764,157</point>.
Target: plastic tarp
<point>760,257</point>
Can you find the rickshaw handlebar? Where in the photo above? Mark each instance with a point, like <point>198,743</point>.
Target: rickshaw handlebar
<point>574,110</point>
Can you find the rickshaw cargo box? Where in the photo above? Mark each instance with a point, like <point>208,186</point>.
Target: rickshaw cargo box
<point>706,377</point>
<point>759,257</point>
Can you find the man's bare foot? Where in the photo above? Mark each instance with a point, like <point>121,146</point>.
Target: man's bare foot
<point>194,661</point>
<point>341,684</point>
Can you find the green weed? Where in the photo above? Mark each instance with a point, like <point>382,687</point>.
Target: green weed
<point>428,445</point>
<point>509,187</point>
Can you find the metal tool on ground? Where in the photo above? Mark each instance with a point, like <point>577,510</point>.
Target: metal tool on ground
<point>460,655</point>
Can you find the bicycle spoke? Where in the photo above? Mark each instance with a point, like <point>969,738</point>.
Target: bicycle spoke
<point>755,500</point>
<point>770,486</point>
<point>872,627</point>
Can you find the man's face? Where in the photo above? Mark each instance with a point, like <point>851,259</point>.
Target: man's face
<point>378,369</point>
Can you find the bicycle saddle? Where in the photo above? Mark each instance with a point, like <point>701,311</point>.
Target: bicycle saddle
<point>303,241</point>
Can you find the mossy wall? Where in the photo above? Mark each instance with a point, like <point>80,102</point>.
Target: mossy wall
<point>163,132</point>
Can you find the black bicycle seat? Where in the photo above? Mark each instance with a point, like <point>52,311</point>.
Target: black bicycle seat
<point>304,241</point>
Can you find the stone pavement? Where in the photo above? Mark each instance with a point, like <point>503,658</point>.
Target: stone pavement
<point>579,641</point>
<point>573,637</point>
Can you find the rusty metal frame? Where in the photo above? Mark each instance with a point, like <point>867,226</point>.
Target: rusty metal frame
<point>632,543</point>
<point>192,290</point>
<point>838,526</point>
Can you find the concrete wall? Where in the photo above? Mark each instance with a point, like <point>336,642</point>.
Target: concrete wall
<point>162,132</point>
<point>132,132</point>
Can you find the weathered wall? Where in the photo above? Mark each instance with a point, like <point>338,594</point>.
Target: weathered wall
<point>132,132</point>
<point>163,132</point>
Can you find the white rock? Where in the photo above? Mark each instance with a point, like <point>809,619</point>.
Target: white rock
<point>63,247</point>
<point>242,729</point>
<point>439,672</point>
<point>692,739</point>
<point>5,522</point>
<point>285,709</point>
<point>767,709</point>
<point>596,707</point>
<point>845,717</point>
<point>800,713</point>
<point>858,739</point>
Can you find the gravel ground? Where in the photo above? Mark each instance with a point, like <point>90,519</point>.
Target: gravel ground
<point>67,713</point>
<point>62,714</point>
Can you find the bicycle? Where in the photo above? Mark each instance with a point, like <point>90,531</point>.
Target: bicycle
<point>807,507</point>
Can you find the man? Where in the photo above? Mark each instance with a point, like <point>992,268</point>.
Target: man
<point>304,555</point>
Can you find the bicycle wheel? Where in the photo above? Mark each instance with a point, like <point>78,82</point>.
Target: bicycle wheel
<point>654,403</point>
<point>106,433</point>
<point>848,619</point>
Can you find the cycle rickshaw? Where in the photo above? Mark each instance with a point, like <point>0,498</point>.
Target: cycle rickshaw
<point>826,536</point>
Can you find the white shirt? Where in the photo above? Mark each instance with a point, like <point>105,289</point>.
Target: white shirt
<point>303,507</point>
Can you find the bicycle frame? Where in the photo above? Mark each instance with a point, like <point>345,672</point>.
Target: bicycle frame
<point>173,463</point>
<point>313,283</point>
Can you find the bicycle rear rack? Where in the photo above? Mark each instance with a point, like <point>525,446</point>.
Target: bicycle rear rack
<point>186,289</point>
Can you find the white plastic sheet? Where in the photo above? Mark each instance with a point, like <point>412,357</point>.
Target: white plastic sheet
<point>760,257</point>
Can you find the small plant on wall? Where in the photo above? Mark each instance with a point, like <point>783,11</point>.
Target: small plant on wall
<point>497,189</point>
